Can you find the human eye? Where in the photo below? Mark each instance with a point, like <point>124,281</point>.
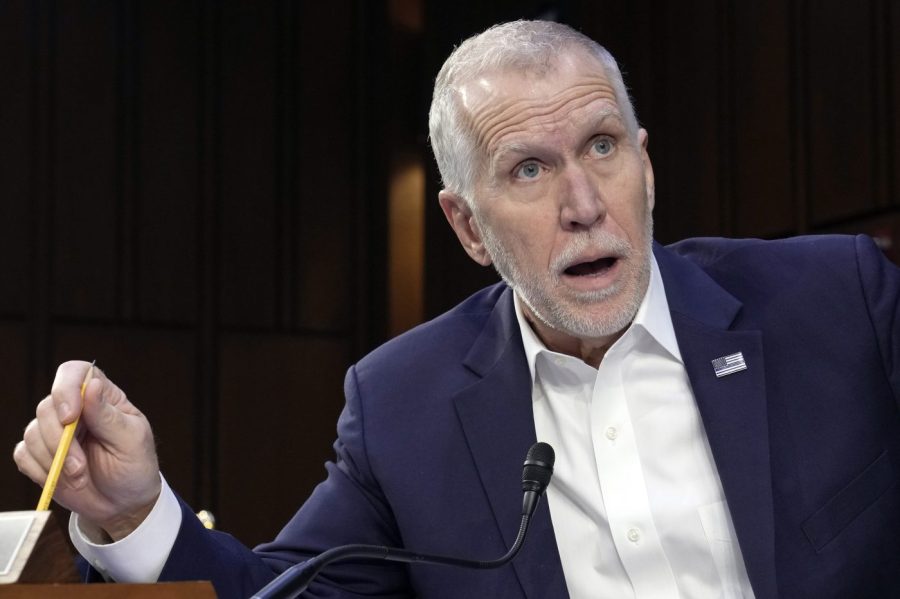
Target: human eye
<point>602,146</point>
<point>528,170</point>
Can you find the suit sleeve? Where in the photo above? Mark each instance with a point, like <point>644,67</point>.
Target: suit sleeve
<point>348,507</point>
<point>880,280</point>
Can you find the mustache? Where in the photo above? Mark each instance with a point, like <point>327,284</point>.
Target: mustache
<point>590,242</point>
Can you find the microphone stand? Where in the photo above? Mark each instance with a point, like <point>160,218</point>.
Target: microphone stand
<point>295,579</point>
<point>538,469</point>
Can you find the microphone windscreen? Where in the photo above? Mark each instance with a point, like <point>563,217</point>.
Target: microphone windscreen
<point>538,466</point>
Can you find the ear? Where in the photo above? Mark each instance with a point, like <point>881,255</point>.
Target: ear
<point>643,138</point>
<point>461,220</point>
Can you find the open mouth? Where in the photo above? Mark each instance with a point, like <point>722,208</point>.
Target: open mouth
<point>592,268</point>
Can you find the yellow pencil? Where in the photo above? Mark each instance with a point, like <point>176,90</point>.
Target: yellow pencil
<point>61,451</point>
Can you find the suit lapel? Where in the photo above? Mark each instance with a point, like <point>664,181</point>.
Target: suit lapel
<point>733,407</point>
<point>498,422</point>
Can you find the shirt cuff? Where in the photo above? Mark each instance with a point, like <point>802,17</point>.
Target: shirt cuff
<point>140,556</point>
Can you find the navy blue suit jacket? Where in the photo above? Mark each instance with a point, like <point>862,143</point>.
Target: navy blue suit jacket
<point>437,422</point>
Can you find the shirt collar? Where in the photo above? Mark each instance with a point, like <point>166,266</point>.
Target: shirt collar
<point>652,316</point>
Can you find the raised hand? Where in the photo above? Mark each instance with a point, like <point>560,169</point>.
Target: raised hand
<point>111,475</point>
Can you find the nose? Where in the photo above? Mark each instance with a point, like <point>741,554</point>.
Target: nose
<point>581,204</point>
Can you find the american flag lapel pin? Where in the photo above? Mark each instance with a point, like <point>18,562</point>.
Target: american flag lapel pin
<point>729,364</point>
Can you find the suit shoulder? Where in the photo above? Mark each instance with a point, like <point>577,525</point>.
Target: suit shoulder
<point>445,338</point>
<point>712,253</point>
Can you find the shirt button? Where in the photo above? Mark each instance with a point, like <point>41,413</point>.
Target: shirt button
<point>634,535</point>
<point>612,433</point>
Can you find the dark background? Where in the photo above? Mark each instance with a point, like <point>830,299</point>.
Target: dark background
<point>196,193</point>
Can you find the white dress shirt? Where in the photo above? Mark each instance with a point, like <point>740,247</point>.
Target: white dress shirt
<point>140,556</point>
<point>636,501</point>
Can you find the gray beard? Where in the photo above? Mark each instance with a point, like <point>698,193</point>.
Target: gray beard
<point>557,314</point>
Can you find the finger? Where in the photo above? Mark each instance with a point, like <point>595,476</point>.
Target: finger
<point>27,465</point>
<point>36,445</point>
<point>75,471</point>
<point>75,465</point>
<point>66,389</point>
<point>43,436</point>
<point>49,426</point>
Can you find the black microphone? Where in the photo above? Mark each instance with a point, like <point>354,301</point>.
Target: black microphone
<point>535,478</point>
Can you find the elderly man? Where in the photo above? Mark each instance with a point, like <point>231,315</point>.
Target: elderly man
<point>725,413</point>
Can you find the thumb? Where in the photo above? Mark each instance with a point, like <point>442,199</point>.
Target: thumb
<point>102,414</point>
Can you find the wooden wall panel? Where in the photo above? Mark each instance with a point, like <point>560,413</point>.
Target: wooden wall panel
<point>16,167</point>
<point>324,172</point>
<point>16,492</point>
<point>840,109</point>
<point>688,199</point>
<point>279,403</point>
<point>156,370</point>
<point>891,117</point>
<point>249,240</point>
<point>168,180</point>
<point>86,159</point>
<point>628,31</point>
<point>186,186</point>
<point>882,118</point>
<point>759,126</point>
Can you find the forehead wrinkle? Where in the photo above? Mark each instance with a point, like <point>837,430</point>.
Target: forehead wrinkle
<point>520,112</point>
<point>594,121</point>
<point>502,109</point>
<point>511,116</point>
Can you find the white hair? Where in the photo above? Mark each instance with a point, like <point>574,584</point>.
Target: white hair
<point>530,46</point>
